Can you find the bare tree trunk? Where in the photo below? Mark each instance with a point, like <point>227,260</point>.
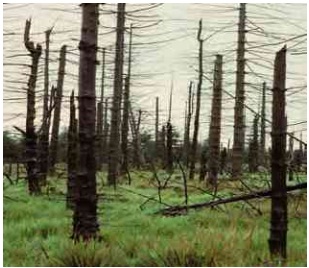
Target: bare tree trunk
<point>198,105</point>
<point>99,132</point>
<point>105,132</point>
<point>31,136</point>
<point>44,137</point>
<point>57,111</point>
<point>138,158</point>
<point>125,118</point>
<point>291,157</point>
<point>114,150</point>
<point>278,229</point>
<point>239,118</point>
<point>188,126</point>
<point>85,223</point>
<point>157,143</point>
<point>215,123</point>
<point>263,127</point>
<point>254,146</point>
<point>163,146</point>
<point>72,156</point>
<point>169,147</point>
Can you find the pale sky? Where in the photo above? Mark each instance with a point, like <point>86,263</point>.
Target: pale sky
<point>168,49</point>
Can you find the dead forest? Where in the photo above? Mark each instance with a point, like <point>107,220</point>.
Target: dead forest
<point>169,126</point>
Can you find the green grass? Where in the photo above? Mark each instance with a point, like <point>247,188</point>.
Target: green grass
<point>37,230</point>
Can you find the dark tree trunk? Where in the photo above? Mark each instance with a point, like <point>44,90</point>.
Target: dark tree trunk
<point>163,146</point>
<point>215,124</point>
<point>125,118</point>
<point>188,127</point>
<point>99,131</point>
<point>254,146</point>
<point>114,150</point>
<point>72,156</point>
<point>57,111</point>
<point>105,132</point>
<point>263,127</point>
<point>278,228</point>
<point>203,163</point>
<point>44,136</point>
<point>157,143</point>
<point>239,118</point>
<point>31,136</point>
<point>198,105</point>
<point>169,147</point>
<point>85,223</point>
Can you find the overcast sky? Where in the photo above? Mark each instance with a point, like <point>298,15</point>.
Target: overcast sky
<point>165,49</point>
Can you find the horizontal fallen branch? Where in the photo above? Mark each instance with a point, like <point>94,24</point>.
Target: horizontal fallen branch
<point>179,210</point>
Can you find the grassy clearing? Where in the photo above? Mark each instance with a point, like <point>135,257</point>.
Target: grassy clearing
<point>37,229</point>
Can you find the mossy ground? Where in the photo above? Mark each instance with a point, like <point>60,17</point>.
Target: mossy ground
<point>37,229</point>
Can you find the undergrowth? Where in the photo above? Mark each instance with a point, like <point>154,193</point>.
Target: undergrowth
<point>37,229</point>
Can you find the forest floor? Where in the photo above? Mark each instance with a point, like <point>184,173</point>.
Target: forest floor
<point>37,229</point>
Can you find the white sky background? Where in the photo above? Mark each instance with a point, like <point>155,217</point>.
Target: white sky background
<point>155,64</point>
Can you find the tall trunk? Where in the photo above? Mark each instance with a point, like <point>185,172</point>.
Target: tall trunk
<point>198,105</point>
<point>105,132</point>
<point>125,118</point>
<point>72,155</point>
<point>57,111</point>
<point>278,228</point>
<point>31,136</point>
<point>215,123</point>
<point>169,147</point>
<point>114,150</point>
<point>263,126</point>
<point>99,132</point>
<point>239,118</point>
<point>85,223</point>
<point>254,146</point>
<point>157,143</point>
<point>44,137</point>
<point>188,126</point>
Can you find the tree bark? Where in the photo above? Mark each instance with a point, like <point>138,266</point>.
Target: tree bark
<point>263,127</point>
<point>125,118</point>
<point>198,105</point>
<point>188,127</point>
<point>72,155</point>
<point>99,132</point>
<point>215,123</point>
<point>114,150</point>
<point>169,147</point>
<point>239,118</point>
<point>85,223</point>
<point>31,136</point>
<point>278,229</point>
<point>57,111</point>
<point>44,136</point>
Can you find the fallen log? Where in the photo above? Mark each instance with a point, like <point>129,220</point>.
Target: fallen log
<point>179,210</point>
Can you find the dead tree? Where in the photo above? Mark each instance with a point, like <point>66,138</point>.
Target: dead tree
<point>291,157</point>
<point>239,117</point>
<point>114,150</point>
<point>263,127</point>
<point>203,162</point>
<point>125,117</point>
<point>99,131</point>
<point>72,155</point>
<point>215,124</point>
<point>278,229</point>
<point>105,132</point>
<point>85,223</point>
<point>188,126</point>
<point>57,111</point>
<point>198,105</point>
<point>169,147</point>
<point>157,143</point>
<point>254,146</point>
<point>30,134</point>
<point>44,136</point>
<point>163,146</point>
<point>138,158</point>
